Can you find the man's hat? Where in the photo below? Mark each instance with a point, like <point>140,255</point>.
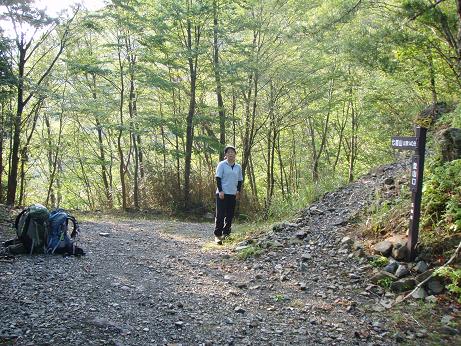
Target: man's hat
<point>227,147</point>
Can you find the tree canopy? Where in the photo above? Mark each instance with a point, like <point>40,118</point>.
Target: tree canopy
<point>130,106</point>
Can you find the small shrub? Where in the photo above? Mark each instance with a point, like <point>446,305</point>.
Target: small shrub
<point>385,283</point>
<point>441,207</point>
<point>279,298</point>
<point>251,251</point>
<point>380,262</point>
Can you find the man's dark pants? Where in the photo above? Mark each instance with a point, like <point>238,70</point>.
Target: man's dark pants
<point>224,214</point>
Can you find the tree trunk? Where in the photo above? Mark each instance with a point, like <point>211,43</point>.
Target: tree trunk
<point>132,110</point>
<point>102,155</point>
<point>189,141</point>
<point>162,133</point>
<point>53,162</point>
<point>323,140</point>
<point>268,168</point>
<point>341,138</point>
<point>252,179</point>
<point>353,142</point>
<point>131,58</point>
<point>13,173</point>
<point>432,78</point>
<point>234,107</point>
<point>458,39</point>
<point>25,150</point>
<point>271,143</point>
<point>141,168</point>
<point>2,131</point>
<point>87,184</point>
<point>192,60</point>
<point>221,111</point>
<point>284,184</point>
<point>120,131</point>
<point>176,110</point>
<point>250,114</point>
<point>51,165</point>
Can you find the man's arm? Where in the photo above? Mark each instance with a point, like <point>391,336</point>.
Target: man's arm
<point>219,174</point>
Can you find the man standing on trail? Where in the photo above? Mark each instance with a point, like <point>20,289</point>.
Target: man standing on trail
<point>229,184</point>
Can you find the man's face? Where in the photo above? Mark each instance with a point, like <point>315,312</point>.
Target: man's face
<point>230,153</point>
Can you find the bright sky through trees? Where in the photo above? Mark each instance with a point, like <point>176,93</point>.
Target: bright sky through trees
<point>55,6</point>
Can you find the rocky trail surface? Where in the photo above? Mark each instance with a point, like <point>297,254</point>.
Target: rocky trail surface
<point>162,282</point>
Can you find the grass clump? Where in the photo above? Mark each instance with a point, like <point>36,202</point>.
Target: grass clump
<point>280,298</point>
<point>379,262</point>
<point>284,206</point>
<point>250,251</point>
<point>385,283</point>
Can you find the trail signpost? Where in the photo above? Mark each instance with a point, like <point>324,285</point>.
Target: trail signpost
<point>418,144</point>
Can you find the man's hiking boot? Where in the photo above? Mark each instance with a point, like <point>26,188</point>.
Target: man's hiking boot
<point>218,240</point>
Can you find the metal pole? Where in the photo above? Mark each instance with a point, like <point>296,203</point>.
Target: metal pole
<point>417,193</point>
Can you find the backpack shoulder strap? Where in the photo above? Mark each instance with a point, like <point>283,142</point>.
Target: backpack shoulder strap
<point>76,228</point>
<point>16,221</point>
<point>25,226</point>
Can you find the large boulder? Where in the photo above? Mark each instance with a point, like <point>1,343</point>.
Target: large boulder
<point>402,271</point>
<point>400,252</point>
<point>383,248</point>
<point>435,287</point>
<point>419,293</point>
<point>403,285</point>
<point>449,141</point>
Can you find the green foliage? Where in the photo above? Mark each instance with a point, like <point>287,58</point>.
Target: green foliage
<point>385,282</point>
<point>302,82</point>
<point>454,276</point>
<point>379,262</point>
<point>455,117</point>
<point>251,251</point>
<point>285,206</point>
<point>7,78</point>
<point>280,297</point>
<point>442,198</point>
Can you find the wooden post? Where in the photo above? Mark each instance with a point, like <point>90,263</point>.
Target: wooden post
<point>418,144</point>
<point>416,185</point>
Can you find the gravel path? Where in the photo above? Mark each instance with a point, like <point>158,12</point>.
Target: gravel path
<point>162,282</point>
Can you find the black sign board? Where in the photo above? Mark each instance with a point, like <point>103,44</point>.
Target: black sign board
<point>406,143</point>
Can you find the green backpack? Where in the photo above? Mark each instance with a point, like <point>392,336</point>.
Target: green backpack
<point>32,228</point>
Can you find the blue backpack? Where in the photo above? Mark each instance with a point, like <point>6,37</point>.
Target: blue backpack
<point>59,240</point>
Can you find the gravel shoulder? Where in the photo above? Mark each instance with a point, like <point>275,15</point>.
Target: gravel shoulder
<point>162,282</point>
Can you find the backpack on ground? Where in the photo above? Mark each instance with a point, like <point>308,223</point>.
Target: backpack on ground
<point>59,240</point>
<point>39,231</point>
<point>32,229</point>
